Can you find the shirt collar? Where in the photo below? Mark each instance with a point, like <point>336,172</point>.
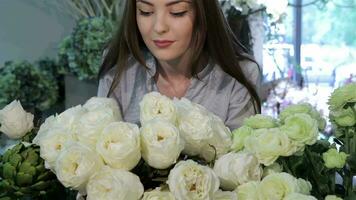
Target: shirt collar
<point>152,68</point>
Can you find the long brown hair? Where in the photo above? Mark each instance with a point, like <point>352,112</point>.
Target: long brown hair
<point>212,36</point>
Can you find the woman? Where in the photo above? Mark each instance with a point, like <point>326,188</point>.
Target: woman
<point>181,48</point>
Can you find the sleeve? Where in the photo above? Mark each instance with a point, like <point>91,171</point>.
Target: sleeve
<point>241,103</point>
<point>253,73</point>
<point>104,87</point>
<point>240,106</point>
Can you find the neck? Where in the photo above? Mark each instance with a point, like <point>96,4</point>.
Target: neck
<point>177,69</point>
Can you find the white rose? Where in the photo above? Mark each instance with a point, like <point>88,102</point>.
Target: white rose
<point>15,121</point>
<point>297,196</point>
<point>156,105</point>
<point>278,186</point>
<point>119,145</point>
<point>75,164</point>
<point>248,191</point>
<point>92,123</point>
<point>52,143</point>
<point>158,194</point>
<point>220,142</point>
<point>190,181</point>
<point>101,102</point>
<point>114,184</point>
<point>225,195</point>
<point>268,144</point>
<point>234,169</point>
<point>194,123</point>
<point>161,143</point>
<point>67,120</point>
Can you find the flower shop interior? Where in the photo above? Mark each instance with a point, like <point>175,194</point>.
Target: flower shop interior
<point>50,55</point>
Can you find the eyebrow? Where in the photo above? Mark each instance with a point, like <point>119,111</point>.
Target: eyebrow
<point>167,4</point>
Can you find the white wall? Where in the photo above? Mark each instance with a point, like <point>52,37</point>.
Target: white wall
<point>31,29</point>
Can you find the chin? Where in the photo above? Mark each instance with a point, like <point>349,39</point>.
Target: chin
<point>165,55</point>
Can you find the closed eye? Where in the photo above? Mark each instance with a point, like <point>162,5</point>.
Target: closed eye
<point>145,13</point>
<point>179,14</point>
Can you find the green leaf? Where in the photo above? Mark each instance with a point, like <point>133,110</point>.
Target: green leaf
<point>27,168</point>
<point>9,171</point>
<point>23,179</point>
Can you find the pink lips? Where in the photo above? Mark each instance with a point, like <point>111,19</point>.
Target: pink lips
<point>163,43</point>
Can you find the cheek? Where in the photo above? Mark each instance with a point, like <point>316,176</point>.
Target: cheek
<point>143,26</point>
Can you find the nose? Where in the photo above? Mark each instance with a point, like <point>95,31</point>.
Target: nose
<point>160,25</point>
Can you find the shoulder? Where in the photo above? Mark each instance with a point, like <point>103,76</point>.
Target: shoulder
<point>132,67</point>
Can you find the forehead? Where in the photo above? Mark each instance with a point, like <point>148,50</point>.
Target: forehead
<point>162,2</point>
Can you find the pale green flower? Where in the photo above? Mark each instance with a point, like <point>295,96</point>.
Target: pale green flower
<point>248,191</point>
<point>272,169</point>
<point>301,128</point>
<point>334,159</point>
<point>305,108</point>
<point>297,196</point>
<point>304,186</point>
<point>269,144</point>
<point>239,135</point>
<point>260,121</point>
<point>332,197</point>
<point>344,117</point>
<point>278,186</point>
<point>341,96</point>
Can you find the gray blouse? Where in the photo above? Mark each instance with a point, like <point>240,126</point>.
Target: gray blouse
<point>216,90</point>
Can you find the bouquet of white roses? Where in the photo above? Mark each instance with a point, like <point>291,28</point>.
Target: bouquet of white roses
<point>182,151</point>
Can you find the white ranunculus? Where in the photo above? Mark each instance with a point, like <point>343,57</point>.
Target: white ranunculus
<point>158,194</point>
<point>119,145</point>
<point>67,120</point>
<point>268,144</point>
<point>221,141</point>
<point>190,181</point>
<point>75,164</point>
<point>102,102</point>
<point>234,169</point>
<point>278,186</point>
<point>161,143</point>
<point>156,105</point>
<point>225,195</point>
<point>52,143</point>
<point>114,184</point>
<point>15,121</point>
<point>194,123</point>
<point>92,123</point>
<point>248,191</point>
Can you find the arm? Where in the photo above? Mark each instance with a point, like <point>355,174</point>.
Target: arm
<point>241,104</point>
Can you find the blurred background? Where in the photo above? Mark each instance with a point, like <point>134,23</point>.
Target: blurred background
<point>50,51</point>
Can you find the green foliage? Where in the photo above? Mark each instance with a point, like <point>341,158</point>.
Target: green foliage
<point>23,175</point>
<point>81,52</point>
<point>310,166</point>
<point>23,81</point>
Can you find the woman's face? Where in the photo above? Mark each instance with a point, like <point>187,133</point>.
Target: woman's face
<point>166,26</point>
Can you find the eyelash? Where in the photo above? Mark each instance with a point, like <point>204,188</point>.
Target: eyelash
<point>179,14</point>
